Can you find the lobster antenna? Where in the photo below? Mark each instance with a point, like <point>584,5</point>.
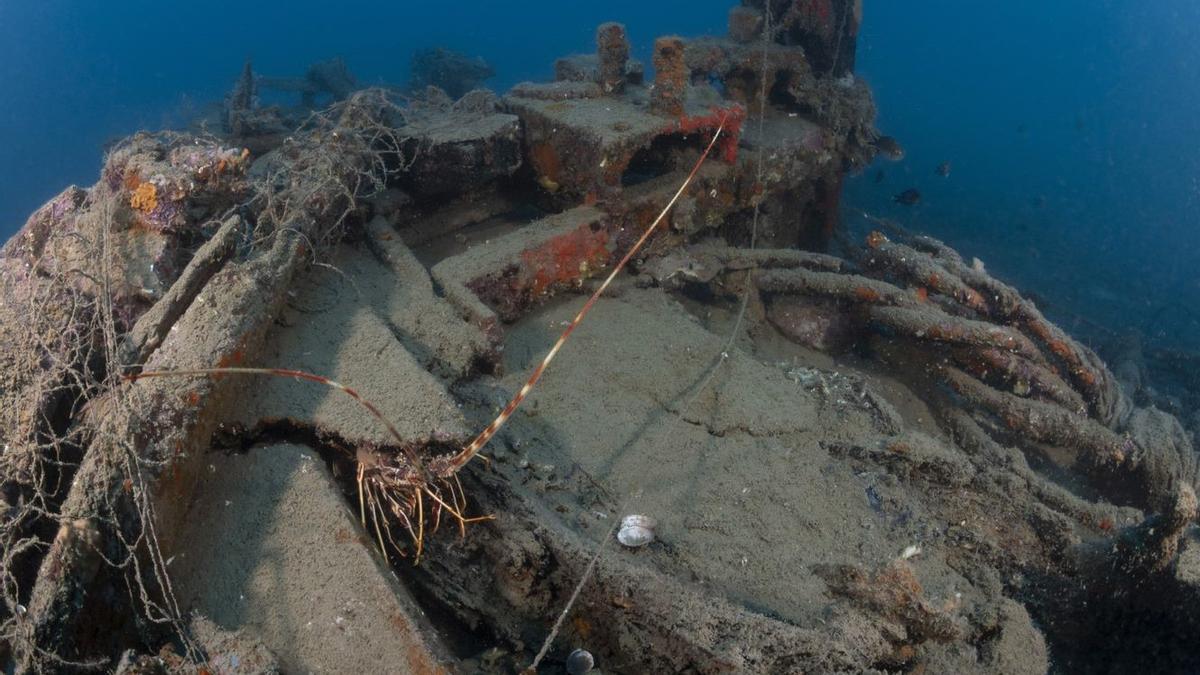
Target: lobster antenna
<point>486,435</point>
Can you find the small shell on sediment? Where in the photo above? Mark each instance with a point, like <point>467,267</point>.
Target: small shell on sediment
<point>636,530</point>
<point>580,661</point>
<point>637,520</point>
<point>633,537</point>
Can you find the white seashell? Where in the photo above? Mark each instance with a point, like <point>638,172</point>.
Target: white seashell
<point>637,520</point>
<point>635,536</point>
<point>636,530</point>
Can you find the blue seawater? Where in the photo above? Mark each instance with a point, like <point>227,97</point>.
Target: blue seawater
<point>1069,127</point>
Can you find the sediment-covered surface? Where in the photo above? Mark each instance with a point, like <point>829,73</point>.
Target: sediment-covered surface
<point>274,551</point>
<point>240,373</point>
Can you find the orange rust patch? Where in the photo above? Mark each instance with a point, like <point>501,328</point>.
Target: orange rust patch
<point>132,180</point>
<point>733,116</point>
<point>399,623</point>
<point>1059,348</point>
<point>622,602</point>
<point>615,168</point>
<point>564,259</point>
<point>175,480</point>
<point>865,294</point>
<point>643,215</point>
<point>233,358</point>
<point>582,627</point>
<point>904,654</point>
<point>545,161</point>
<point>876,239</point>
<point>923,294</point>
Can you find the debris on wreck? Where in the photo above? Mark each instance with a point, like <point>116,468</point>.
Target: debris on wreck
<point>921,484</point>
<point>448,70</point>
<point>241,101</point>
<point>331,79</point>
<point>249,124</point>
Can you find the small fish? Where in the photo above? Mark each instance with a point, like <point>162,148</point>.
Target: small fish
<point>879,176</point>
<point>909,197</point>
<point>889,147</point>
<point>943,169</point>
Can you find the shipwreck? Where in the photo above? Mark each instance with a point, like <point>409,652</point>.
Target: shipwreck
<point>860,452</point>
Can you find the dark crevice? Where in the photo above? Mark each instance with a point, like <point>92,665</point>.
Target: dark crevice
<point>1131,627</point>
<point>780,95</point>
<point>339,454</point>
<point>62,446</point>
<point>660,158</point>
